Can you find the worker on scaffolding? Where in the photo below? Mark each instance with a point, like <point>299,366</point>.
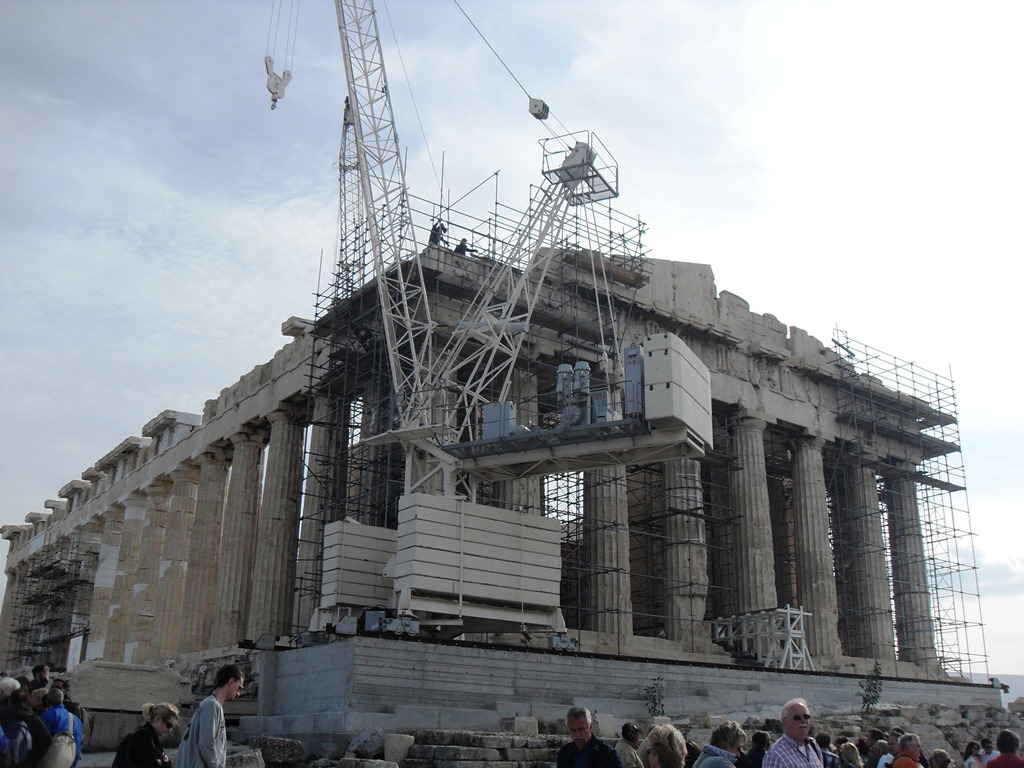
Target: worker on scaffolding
<point>437,233</point>
<point>463,248</point>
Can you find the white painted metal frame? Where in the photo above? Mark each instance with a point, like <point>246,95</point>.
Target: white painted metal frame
<point>404,308</point>
<point>774,637</point>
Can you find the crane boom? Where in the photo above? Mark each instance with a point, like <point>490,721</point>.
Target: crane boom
<point>404,308</point>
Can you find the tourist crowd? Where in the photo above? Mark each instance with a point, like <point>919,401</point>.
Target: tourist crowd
<point>799,746</point>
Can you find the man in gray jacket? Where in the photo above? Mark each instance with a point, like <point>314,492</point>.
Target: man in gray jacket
<point>205,742</point>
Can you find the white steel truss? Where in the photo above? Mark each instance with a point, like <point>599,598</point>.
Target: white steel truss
<point>775,637</point>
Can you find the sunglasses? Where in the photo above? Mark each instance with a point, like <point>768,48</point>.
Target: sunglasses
<point>800,718</point>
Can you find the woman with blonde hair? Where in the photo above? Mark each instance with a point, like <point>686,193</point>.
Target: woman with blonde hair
<point>142,748</point>
<point>850,755</point>
<point>665,747</point>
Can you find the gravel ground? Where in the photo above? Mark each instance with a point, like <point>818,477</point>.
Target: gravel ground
<point>104,759</point>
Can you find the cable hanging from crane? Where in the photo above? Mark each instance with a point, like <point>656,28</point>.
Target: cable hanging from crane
<point>538,108</point>
<point>412,96</point>
<point>277,83</point>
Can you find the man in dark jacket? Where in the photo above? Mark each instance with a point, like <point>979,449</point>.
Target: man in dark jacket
<point>40,677</point>
<point>585,750</point>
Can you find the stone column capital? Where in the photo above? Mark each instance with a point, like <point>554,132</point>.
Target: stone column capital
<point>134,500</point>
<point>158,487</point>
<point>752,422</point>
<point>115,512</point>
<point>248,435</point>
<point>814,442</point>
<point>187,472</point>
<point>214,455</point>
<point>288,412</point>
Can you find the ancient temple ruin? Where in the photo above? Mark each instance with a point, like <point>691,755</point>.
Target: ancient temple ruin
<point>824,527</point>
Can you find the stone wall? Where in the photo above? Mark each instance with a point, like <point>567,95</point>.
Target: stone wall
<point>397,685</point>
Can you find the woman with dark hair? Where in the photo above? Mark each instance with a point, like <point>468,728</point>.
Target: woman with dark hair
<point>972,755</point>
<point>761,741</point>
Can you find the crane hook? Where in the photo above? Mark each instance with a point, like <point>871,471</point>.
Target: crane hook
<point>276,83</point>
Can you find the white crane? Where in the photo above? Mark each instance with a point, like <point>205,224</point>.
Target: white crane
<point>451,386</point>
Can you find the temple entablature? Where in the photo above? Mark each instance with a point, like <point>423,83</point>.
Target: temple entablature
<point>121,461</point>
<point>169,428</point>
<point>76,492</point>
<point>14,532</point>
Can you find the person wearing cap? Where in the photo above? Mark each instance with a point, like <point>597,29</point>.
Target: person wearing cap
<point>14,706</point>
<point>627,746</point>
<point>8,685</point>
<point>58,720</point>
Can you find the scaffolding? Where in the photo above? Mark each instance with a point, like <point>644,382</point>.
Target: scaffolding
<point>348,478</point>
<point>52,606</point>
<point>899,422</point>
<point>889,419</point>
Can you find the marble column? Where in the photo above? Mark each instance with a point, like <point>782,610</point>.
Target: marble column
<point>277,537</point>
<point>755,562</point>
<point>170,588</point>
<point>103,585</point>
<point>204,552</point>
<point>523,494</point>
<point>20,613</point>
<point>238,543</point>
<point>311,522</point>
<point>816,581</point>
<point>606,542</point>
<point>686,556</point>
<point>144,607</point>
<point>869,617</point>
<point>90,542</point>
<point>119,615</point>
<point>7,612</point>
<point>914,630</point>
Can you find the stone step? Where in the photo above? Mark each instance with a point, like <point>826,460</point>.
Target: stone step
<point>433,737</point>
<point>470,749</point>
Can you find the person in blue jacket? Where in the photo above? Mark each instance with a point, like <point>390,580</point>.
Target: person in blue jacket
<point>58,720</point>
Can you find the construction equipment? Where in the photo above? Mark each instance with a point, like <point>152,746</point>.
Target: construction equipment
<point>463,564</point>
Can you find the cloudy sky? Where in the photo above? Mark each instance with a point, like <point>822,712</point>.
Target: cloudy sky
<point>850,164</point>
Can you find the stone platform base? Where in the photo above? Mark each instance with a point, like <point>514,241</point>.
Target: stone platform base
<point>324,694</point>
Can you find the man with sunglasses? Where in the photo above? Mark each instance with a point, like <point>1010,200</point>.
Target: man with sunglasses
<point>796,748</point>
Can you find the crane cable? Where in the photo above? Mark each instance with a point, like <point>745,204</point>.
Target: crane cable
<point>276,83</point>
<point>412,95</point>
<point>507,69</point>
<point>291,34</point>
